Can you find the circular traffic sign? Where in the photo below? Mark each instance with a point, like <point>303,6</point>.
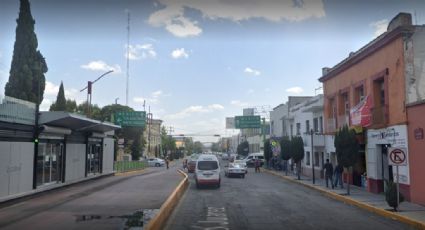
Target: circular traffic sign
<point>397,156</point>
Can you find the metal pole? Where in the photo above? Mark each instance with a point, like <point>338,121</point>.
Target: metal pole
<point>398,188</point>
<point>312,155</point>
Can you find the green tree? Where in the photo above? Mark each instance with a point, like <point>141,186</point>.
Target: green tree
<point>71,106</point>
<point>168,143</point>
<point>267,151</point>
<point>297,152</point>
<point>347,150</point>
<point>391,195</point>
<point>243,148</point>
<point>26,76</point>
<point>198,147</point>
<point>60,103</point>
<point>107,112</point>
<point>94,110</point>
<point>285,151</point>
<point>188,143</point>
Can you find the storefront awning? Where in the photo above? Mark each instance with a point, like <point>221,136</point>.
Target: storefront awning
<point>75,122</point>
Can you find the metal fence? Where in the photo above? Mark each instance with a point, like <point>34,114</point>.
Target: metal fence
<point>126,166</point>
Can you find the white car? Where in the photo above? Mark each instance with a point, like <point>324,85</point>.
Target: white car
<point>234,169</point>
<point>207,171</point>
<point>242,163</point>
<point>156,162</point>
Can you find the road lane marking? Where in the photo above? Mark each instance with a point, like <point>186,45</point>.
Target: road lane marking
<point>216,219</point>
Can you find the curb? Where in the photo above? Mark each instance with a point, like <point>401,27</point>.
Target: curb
<point>370,208</point>
<point>128,173</point>
<point>159,220</point>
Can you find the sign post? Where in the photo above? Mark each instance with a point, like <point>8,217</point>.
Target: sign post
<point>397,157</point>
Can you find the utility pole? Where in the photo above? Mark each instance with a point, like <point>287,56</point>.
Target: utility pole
<point>128,58</point>
<point>89,91</point>
<point>171,129</point>
<point>312,155</point>
<point>149,129</point>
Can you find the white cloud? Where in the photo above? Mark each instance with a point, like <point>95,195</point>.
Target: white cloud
<point>172,15</point>
<point>193,110</point>
<point>153,99</point>
<point>141,51</point>
<point>251,71</point>
<point>45,104</point>
<point>295,90</point>
<point>179,53</point>
<point>101,66</point>
<point>379,26</point>
<point>239,103</point>
<point>51,89</point>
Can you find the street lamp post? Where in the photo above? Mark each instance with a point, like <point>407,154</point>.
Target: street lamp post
<point>116,100</point>
<point>312,154</point>
<point>89,91</point>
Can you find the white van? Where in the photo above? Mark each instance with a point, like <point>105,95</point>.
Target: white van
<point>250,159</point>
<point>207,171</point>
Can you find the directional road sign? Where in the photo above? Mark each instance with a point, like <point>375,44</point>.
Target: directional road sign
<point>136,118</point>
<point>247,122</point>
<point>397,156</point>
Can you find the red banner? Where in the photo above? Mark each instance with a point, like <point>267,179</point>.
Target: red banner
<point>360,114</point>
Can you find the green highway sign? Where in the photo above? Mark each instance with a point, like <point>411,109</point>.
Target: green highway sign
<point>136,118</point>
<point>247,122</point>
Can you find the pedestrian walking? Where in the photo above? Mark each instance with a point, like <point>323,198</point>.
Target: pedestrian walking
<point>167,162</point>
<point>328,167</point>
<point>257,165</point>
<point>338,175</point>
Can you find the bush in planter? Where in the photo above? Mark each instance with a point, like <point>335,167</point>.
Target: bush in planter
<point>391,195</point>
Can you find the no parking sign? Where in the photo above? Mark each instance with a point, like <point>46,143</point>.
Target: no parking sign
<point>397,156</point>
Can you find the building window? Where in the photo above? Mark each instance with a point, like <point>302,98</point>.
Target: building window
<point>321,124</point>
<point>307,159</point>
<point>316,159</point>
<point>316,125</point>
<point>358,94</point>
<point>292,130</point>
<point>298,129</point>
<point>307,126</point>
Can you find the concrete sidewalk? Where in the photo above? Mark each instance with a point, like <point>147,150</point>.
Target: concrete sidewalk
<point>410,213</point>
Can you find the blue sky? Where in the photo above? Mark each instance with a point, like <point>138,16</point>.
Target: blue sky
<point>196,61</point>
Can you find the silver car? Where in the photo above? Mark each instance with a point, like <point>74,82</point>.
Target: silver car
<point>234,169</point>
<point>156,162</point>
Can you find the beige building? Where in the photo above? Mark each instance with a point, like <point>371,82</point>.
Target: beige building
<point>152,135</point>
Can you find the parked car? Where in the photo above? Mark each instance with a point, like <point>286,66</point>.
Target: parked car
<point>250,159</point>
<point>225,156</point>
<point>243,164</point>
<point>156,162</point>
<point>207,171</point>
<point>234,169</point>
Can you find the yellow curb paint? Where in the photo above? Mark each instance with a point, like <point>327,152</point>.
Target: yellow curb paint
<point>160,219</point>
<point>382,212</point>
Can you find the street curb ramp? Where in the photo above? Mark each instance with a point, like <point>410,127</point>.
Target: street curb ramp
<point>348,200</point>
<point>159,221</point>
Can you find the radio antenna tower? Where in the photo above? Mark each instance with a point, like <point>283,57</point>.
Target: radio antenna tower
<point>128,58</point>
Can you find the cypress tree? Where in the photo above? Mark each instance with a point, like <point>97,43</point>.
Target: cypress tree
<point>60,100</point>
<point>26,76</point>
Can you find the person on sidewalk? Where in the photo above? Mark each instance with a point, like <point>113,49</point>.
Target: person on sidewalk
<point>338,175</point>
<point>167,162</point>
<point>329,170</point>
<point>257,165</point>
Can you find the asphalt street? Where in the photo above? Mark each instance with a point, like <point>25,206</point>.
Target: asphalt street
<point>108,203</point>
<point>266,202</point>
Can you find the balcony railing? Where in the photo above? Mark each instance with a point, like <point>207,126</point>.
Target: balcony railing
<point>318,140</point>
<point>331,125</point>
<point>379,115</point>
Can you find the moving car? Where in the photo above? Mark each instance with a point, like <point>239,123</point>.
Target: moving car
<point>156,162</point>
<point>243,164</point>
<point>191,163</point>
<point>250,159</point>
<point>207,171</point>
<point>234,169</point>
